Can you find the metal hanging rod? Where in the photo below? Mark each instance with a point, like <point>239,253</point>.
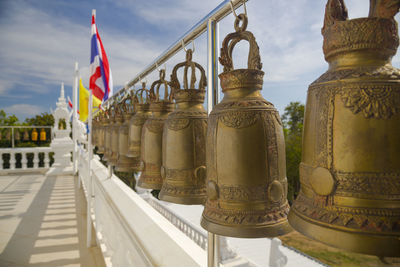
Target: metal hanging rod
<point>217,14</point>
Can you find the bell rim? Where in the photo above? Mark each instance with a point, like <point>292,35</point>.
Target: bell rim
<point>187,200</point>
<point>250,231</point>
<point>387,245</point>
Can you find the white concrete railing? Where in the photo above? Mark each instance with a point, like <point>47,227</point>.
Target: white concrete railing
<point>185,226</point>
<point>24,151</point>
<point>129,231</point>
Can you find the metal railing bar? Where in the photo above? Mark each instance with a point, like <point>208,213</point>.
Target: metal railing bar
<point>217,14</point>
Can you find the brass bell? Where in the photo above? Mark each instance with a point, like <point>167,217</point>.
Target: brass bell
<point>350,169</point>
<point>42,135</point>
<point>8,135</point>
<point>151,145</point>
<point>124,163</point>
<point>26,135</point>
<point>246,169</point>
<point>17,135</point>
<point>100,133</point>
<point>184,139</point>
<point>137,121</point>
<point>114,134</point>
<point>94,131</point>
<point>108,121</point>
<point>34,135</point>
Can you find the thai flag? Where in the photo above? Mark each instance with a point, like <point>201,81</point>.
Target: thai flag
<point>100,73</point>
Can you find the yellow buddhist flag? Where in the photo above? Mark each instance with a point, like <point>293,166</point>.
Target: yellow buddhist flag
<point>84,102</point>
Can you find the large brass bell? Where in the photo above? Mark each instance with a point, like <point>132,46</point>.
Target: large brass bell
<point>137,121</point>
<point>246,170</point>
<point>118,119</point>
<point>124,163</point>
<point>350,169</point>
<point>108,122</point>
<point>151,145</point>
<point>184,139</point>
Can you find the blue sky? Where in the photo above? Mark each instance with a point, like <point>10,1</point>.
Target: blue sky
<point>41,40</point>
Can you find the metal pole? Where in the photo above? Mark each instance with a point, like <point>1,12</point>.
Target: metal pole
<point>212,100</point>
<point>89,185</point>
<point>75,117</point>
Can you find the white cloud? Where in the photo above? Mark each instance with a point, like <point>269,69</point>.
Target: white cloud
<point>24,110</point>
<point>37,45</point>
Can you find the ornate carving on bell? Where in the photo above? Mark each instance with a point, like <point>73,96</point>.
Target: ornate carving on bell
<point>137,121</point>
<point>151,144</point>
<point>124,163</point>
<point>246,170</point>
<point>184,139</point>
<point>350,169</point>
<point>108,121</point>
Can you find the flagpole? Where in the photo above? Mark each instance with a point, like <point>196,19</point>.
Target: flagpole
<point>74,119</point>
<point>89,187</point>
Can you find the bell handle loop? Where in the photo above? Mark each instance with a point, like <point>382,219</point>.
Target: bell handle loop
<point>188,64</point>
<point>139,95</point>
<point>254,60</point>
<point>155,89</point>
<point>124,105</point>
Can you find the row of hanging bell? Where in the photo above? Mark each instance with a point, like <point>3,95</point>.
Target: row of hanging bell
<point>34,135</point>
<point>152,133</point>
<point>350,170</point>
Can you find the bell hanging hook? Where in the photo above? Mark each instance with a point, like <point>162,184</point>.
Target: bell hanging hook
<point>184,48</point>
<point>233,8</point>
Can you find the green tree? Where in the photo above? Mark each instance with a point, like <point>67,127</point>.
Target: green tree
<point>10,120</point>
<point>292,120</point>
<point>44,119</point>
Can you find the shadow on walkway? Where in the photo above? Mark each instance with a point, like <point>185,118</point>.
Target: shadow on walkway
<point>43,223</point>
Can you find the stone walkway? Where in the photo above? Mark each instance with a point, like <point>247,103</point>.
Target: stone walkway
<point>43,222</point>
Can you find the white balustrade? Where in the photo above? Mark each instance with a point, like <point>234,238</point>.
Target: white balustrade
<point>24,151</point>
<point>36,159</point>
<point>185,226</point>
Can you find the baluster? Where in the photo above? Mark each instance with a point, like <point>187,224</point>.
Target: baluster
<point>24,160</point>
<point>1,161</point>
<point>12,161</point>
<point>36,160</point>
<point>46,160</point>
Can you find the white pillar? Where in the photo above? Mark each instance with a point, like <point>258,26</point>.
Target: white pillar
<point>74,118</point>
